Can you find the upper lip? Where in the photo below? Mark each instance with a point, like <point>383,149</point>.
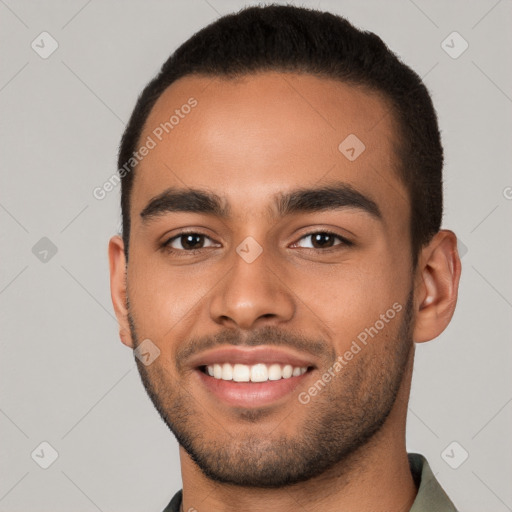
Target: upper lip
<point>265,354</point>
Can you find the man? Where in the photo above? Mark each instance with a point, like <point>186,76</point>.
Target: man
<point>281,255</point>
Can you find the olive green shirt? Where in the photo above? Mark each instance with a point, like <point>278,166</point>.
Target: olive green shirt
<point>430,497</point>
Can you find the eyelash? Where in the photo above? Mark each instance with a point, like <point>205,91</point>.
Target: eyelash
<point>183,252</point>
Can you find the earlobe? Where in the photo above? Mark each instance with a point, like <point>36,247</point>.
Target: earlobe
<point>117,263</point>
<point>437,283</point>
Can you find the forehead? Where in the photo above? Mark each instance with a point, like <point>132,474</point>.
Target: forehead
<point>249,138</point>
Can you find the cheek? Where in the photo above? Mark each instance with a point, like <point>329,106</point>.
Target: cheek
<point>163,298</point>
<point>349,297</point>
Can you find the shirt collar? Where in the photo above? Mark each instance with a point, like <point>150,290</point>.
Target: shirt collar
<point>430,494</point>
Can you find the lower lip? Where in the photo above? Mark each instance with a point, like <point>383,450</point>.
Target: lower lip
<point>251,394</point>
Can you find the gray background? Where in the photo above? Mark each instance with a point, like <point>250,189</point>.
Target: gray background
<point>66,378</point>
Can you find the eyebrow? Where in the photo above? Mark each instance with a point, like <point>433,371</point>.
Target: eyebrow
<point>304,200</point>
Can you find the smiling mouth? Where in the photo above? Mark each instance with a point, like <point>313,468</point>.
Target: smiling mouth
<point>259,372</point>
<point>251,377</point>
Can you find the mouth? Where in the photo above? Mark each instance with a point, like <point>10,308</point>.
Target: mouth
<point>251,377</point>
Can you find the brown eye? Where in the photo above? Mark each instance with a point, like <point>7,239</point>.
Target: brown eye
<point>189,242</point>
<point>323,240</point>
<point>192,241</point>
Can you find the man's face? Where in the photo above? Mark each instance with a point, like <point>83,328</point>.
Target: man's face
<point>280,278</point>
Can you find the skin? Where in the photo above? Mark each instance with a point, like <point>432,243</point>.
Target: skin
<point>247,140</point>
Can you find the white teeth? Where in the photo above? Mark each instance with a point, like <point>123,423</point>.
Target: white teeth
<point>287,371</point>
<point>274,372</point>
<point>217,371</point>
<point>241,373</point>
<point>254,373</point>
<point>259,373</point>
<point>227,372</point>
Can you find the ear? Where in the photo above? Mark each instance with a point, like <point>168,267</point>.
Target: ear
<point>118,287</point>
<point>436,286</point>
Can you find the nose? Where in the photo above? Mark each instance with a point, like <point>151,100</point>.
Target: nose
<point>252,295</point>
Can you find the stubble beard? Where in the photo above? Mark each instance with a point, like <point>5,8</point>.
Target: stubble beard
<point>342,419</point>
